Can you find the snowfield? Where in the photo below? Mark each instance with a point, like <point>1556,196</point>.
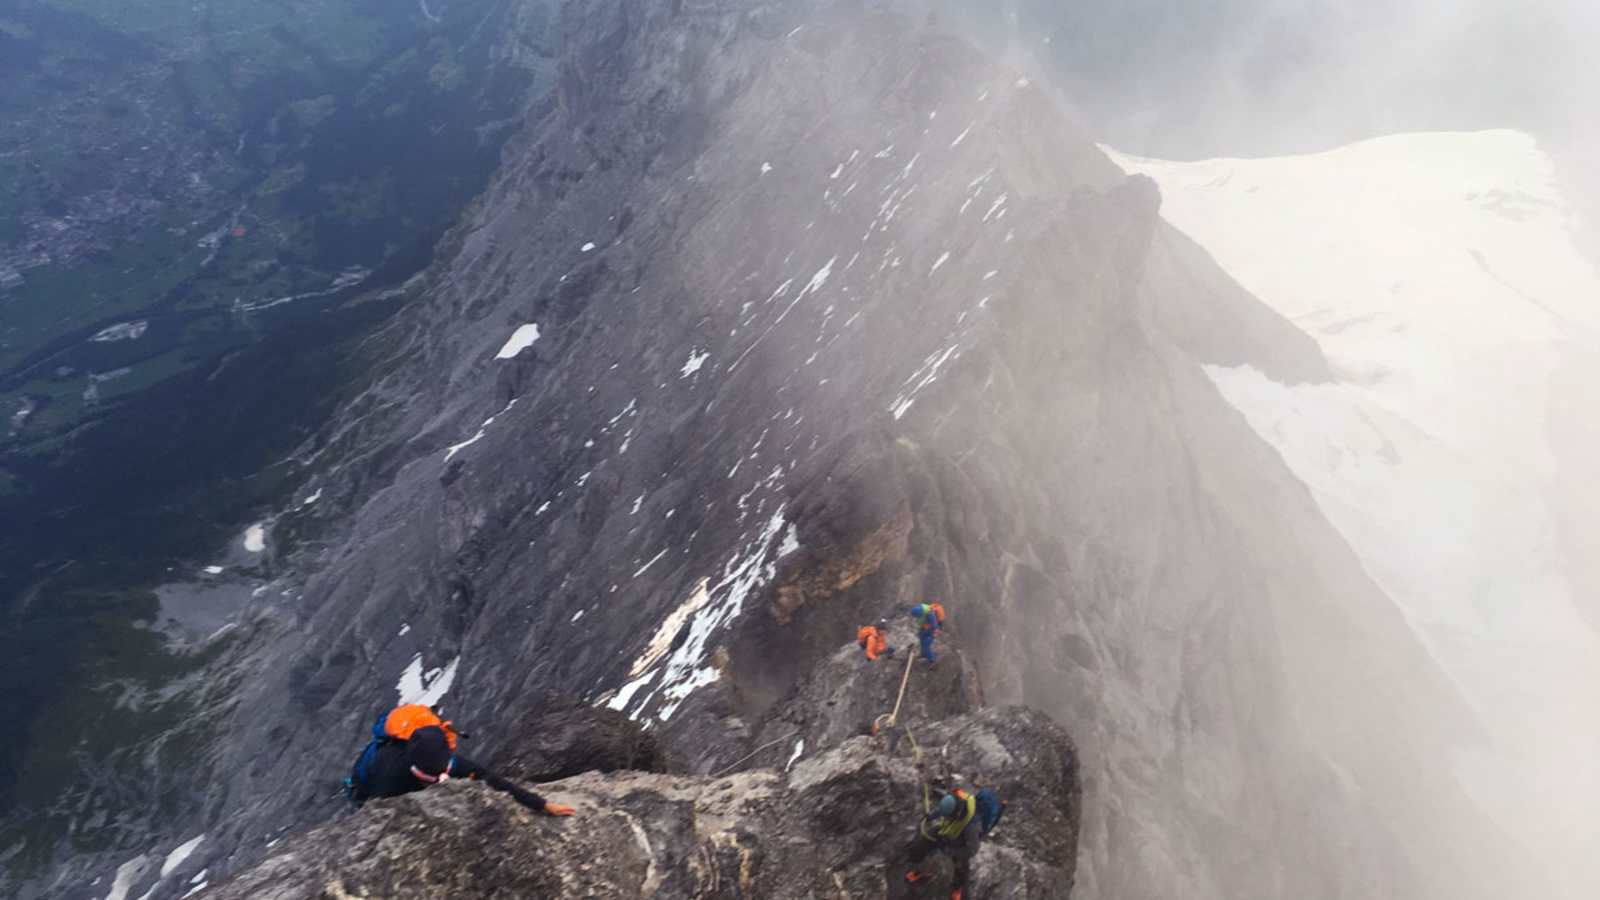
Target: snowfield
<point>1439,274</point>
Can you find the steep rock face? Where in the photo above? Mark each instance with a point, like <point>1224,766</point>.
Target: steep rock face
<point>835,316</point>
<point>570,740</point>
<point>828,826</point>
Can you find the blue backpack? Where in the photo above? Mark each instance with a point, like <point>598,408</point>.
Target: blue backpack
<point>990,809</point>
<point>358,772</point>
<point>397,724</point>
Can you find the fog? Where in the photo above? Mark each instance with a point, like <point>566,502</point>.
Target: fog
<point>1183,80</point>
<point>1180,80</point>
<point>1252,77</point>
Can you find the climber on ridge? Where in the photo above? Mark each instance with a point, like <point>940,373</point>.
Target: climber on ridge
<point>411,749</point>
<point>929,618</point>
<point>874,640</point>
<point>957,825</point>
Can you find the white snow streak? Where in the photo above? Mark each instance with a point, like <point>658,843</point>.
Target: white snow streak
<point>653,560</point>
<point>453,449</point>
<point>126,331</point>
<point>819,279</point>
<point>999,202</point>
<point>126,873</point>
<point>799,748</point>
<point>427,688</point>
<point>661,642</point>
<point>925,375</point>
<point>685,670</point>
<point>695,361</point>
<point>620,701</point>
<point>707,610</point>
<point>179,854</point>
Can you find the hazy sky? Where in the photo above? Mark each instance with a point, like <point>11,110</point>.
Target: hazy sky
<point>1191,79</point>
<point>1185,78</point>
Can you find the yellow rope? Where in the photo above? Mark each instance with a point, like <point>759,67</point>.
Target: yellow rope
<point>916,760</point>
<point>904,680</point>
<point>892,718</point>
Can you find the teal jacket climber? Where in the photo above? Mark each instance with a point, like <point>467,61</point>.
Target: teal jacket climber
<point>955,827</point>
<point>929,618</point>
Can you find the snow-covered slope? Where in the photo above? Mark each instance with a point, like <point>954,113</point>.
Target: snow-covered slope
<point>1439,274</point>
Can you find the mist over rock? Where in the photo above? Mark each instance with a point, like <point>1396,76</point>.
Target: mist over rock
<point>1443,275</point>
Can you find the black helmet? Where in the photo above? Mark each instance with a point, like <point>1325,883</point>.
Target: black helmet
<point>429,751</point>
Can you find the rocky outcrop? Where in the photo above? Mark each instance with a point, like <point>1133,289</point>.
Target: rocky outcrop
<point>828,825</point>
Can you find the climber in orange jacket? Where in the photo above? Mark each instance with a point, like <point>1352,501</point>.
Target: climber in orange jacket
<point>874,640</point>
<point>412,748</point>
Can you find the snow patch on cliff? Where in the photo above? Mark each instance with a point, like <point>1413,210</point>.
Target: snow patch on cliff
<point>127,873</point>
<point>693,624</point>
<point>126,331</point>
<point>426,688</point>
<point>483,430</point>
<point>925,375</point>
<point>743,574</point>
<point>179,854</point>
<point>520,340</point>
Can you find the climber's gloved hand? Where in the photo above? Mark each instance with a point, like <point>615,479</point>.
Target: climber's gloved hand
<point>552,808</point>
